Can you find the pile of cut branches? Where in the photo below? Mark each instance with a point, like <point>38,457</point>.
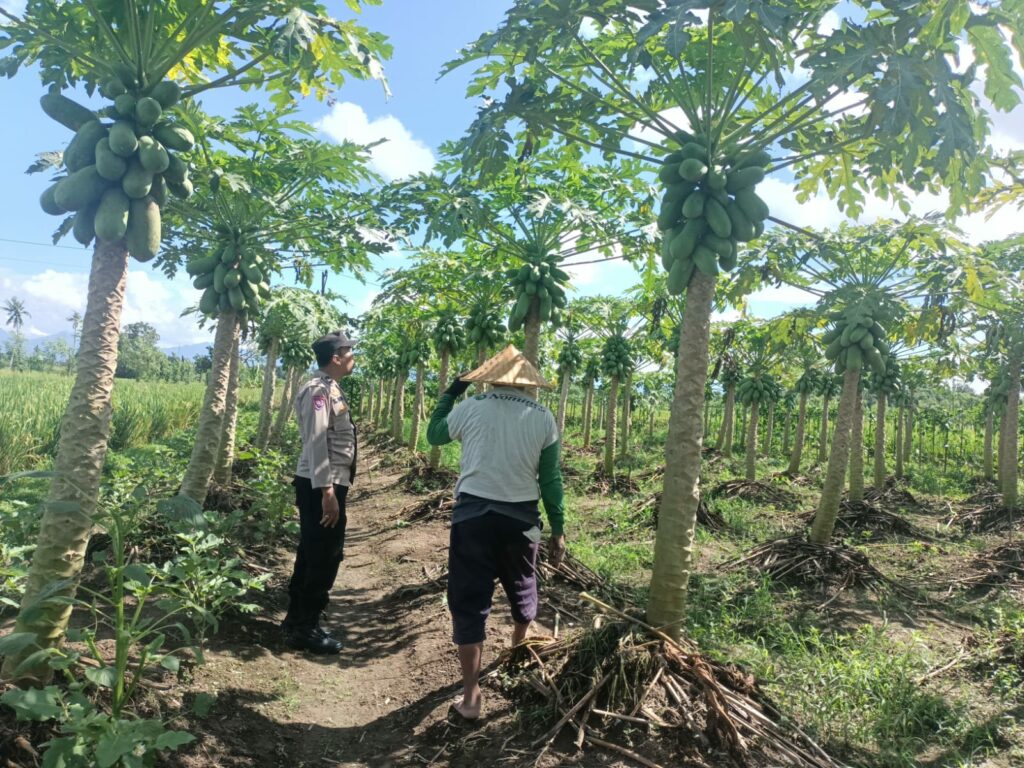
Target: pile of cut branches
<point>997,567</point>
<point>605,485</point>
<point>986,518</point>
<point>859,517</point>
<point>577,575</point>
<point>624,686</point>
<point>647,510</point>
<point>892,494</point>
<point>757,491</point>
<point>422,477</point>
<point>437,506</point>
<point>834,567</point>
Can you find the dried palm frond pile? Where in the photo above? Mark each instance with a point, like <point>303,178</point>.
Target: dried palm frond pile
<point>756,491</point>
<point>859,517</point>
<point>985,517</point>
<point>628,688</point>
<point>834,567</point>
<point>436,506</point>
<point>707,518</point>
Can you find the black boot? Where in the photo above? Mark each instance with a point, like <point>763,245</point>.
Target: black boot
<point>314,640</point>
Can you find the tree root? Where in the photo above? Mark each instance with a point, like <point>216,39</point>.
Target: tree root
<point>626,675</point>
<point>833,567</point>
<point>760,492</point>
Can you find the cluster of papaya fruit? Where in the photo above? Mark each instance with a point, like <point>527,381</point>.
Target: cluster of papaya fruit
<point>857,337</point>
<point>998,391</point>
<point>570,358</point>
<point>542,279</point>
<point>233,278</point>
<point>485,327</point>
<point>592,370</point>
<point>119,174</point>
<point>757,389</point>
<point>709,206</point>
<point>415,352</point>
<point>616,357</point>
<point>809,383</point>
<point>448,334</point>
<point>888,382</point>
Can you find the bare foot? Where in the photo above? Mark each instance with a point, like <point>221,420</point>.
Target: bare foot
<point>468,710</point>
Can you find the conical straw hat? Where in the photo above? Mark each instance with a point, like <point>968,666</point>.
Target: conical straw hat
<point>508,368</point>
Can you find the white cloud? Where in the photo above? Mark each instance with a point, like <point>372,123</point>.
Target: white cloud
<point>401,155</point>
<point>51,296</point>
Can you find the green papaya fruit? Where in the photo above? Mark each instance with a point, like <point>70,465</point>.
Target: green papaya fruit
<point>692,169</point>
<point>742,228</point>
<point>204,280</point>
<point>68,113</point>
<point>79,189</point>
<point>82,149</point>
<point>137,181</point>
<point>152,155</point>
<point>706,260</point>
<point>144,232</point>
<point>83,228</point>
<point>718,219</point>
<point>147,111</point>
<point>693,206</point>
<point>744,178</point>
<point>167,93</point>
<point>112,215</point>
<point>174,137</point>
<point>232,278</point>
<point>679,276</point>
<point>122,139</point>
<point>110,166</point>
<point>48,202</point>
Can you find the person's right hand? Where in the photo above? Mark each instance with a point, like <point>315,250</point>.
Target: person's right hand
<point>457,387</point>
<point>331,508</point>
<point>556,550</point>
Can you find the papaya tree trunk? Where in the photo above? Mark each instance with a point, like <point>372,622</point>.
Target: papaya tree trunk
<point>398,407</point>
<point>627,412</point>
<point>284,408</point>
<point>898,447</point>
<point>725,434</point>
<point>750,457</point>
<point>677,515</point>
<point>387,389</point>
<point>67,518</point>
<point>828,506</point>
<point>226,450</point>
<point>707,417</point>
<point>769,431</point>
<point>588,414</point>
<point>986,454</point>
<point>650,425</point>
<point>442,385</point>
<point>611,412</point>
<point>908,437</point>
<point>563,399</point>
<point>826,402</point>
<point>1011,419</point>
<point>786,431</point>
<point>880,473</point>
<point>856,478</point>
<point>417,409</point>
<point>798,440</point>
<point>267,396</point>
<point>211,417</point>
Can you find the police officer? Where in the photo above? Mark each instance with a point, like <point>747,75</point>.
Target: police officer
<point>326,468</point>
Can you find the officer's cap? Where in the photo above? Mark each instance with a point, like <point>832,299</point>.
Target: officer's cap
<point>332,342</point>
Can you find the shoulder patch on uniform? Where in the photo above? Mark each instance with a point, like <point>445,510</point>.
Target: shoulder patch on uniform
<point>319,402</point>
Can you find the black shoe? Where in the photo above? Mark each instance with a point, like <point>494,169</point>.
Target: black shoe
<point>313,640</point>
<point>323,632</point>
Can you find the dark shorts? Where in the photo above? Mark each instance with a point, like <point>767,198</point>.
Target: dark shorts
<point>484,549</point>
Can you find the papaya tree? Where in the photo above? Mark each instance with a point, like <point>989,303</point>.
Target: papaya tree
<point>807,385</point>
<point>417,357</point>
<point>591,373</point>
<point>830,387</point>
<point>855,473</point>
<point>884,385</point>
<point>224,460</point>
<point>570,358</point>
<point>530,214</point>
<point>146,58</point>
<point>789,399</point>
<point>449,340</point>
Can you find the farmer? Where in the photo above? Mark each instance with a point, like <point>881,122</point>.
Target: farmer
<point>326,468</point>
<point>510,448</point>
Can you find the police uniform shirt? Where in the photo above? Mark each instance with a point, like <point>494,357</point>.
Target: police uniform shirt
<point>328,434</point>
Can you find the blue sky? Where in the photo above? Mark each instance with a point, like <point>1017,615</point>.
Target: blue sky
<point>422,113</point>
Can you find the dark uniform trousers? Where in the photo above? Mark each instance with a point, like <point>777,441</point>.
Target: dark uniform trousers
<point>319,555</point>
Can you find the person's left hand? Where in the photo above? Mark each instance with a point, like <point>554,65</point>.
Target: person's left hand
<point>556,550</point>
<point>457,387</point>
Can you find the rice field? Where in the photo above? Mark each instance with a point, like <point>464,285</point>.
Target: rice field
<point>32,404</point>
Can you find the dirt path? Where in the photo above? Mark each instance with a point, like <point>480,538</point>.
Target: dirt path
<point>382,702</point>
